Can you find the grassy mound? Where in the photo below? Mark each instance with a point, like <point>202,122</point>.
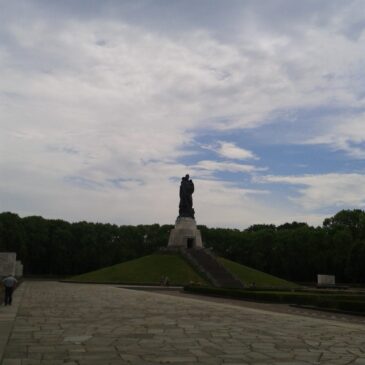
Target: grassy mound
<point>249,275</point>
<point>150,269</point>
<point>145,270</point>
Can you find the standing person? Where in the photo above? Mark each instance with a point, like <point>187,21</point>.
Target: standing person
<point>9,284</point>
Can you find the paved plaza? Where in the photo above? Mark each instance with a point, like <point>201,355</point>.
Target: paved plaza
<point>74,324</point>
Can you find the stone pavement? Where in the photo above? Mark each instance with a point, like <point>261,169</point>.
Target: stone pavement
<point>75,324</point>
<point>274,307</point>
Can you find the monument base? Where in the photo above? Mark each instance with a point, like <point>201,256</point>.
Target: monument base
<point>185,234</point>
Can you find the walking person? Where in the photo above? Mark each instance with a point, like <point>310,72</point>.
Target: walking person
<point>9,284</point>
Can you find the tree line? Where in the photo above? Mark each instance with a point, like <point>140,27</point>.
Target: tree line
<point>294,251</point>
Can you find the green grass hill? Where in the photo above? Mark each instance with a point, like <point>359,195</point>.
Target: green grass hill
<point>249,275</point>
<point>145,270</point>
<point>150,269</point>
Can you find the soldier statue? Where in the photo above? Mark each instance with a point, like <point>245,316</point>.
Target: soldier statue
<point>186,199</point>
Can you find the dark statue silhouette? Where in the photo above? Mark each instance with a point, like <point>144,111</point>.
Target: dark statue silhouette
<point>186,199</point>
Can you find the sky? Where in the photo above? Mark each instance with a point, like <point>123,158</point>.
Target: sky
<point>105,105</point>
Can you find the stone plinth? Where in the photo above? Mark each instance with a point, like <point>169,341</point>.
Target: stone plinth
<point>185,234</point>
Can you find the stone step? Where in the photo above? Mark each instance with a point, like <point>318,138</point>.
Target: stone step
<point>209,264</point>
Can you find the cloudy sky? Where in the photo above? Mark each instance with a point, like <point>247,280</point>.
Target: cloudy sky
<point>104,105</point>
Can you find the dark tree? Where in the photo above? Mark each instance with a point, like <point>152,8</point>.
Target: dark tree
<point>294,251</point>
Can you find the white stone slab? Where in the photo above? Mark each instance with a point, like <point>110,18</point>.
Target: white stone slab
<point>326,279</point>
<point>7,263</point>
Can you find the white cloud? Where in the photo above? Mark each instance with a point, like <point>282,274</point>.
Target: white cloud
<point>230,150</point>
<point>212,166</point>
<point>217,203</point>
<point>223,204</point>
<point>345,133</point>
<point>90,101</point>
<point>326,190</point>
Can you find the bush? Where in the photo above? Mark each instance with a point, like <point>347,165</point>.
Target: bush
<point>344,302</point>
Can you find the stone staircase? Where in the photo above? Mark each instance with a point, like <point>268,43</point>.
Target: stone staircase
<point>203,260</point>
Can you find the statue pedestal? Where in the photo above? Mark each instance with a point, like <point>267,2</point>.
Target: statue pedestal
<point>185,234</point>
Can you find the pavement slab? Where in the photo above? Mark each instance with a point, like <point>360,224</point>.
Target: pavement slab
<point>77,324</point>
